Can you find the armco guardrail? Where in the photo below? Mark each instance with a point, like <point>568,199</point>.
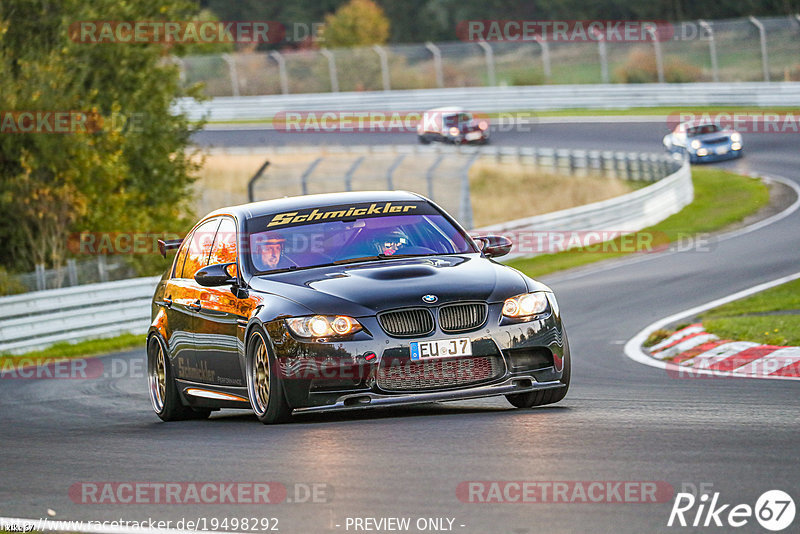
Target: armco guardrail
<point>36,320</point>
<point>39,319</point>
<point>624,214</point>
<point>498,99</point>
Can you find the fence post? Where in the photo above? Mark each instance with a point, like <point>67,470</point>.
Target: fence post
<point>762,35</point>
<point>712,49</point>
<point>429,175</point>
<point>102,269</point>
<point>331,69</point>
<point>72,272</point>
<point>41,281</point>
<point>387,86</point>
<point>437,63</point>
<point>307,173</point>
<point>465,208</point>
<point>545,56</point>
<point>489,54</point>
<point>603,53</point>
<point>277,56</point>
<point>390,172</point>
<point>348,176</point>
<point>657,46</point>
<point>232,73</point>
<point>251,185</point>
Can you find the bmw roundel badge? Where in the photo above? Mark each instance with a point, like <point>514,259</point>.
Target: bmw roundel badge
<point>430,299</point>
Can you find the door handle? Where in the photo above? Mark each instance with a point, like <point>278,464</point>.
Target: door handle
<point>168,302</point>
<point>195,306</point>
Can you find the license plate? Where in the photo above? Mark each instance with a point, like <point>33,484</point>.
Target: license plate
<point>472,136</point>
<point>443,348</point>
<point>722,150</point>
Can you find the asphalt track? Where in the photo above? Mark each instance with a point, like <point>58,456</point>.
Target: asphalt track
<point>622,421</point>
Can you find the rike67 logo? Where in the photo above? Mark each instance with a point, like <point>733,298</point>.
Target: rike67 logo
<point>774,510</point>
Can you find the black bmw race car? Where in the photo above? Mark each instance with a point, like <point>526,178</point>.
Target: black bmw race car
<point>346,301</point>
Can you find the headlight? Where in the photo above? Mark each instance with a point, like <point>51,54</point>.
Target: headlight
<point>736,137</point>
<point>525,305</point>
<point>483,125</point>
<point>323,326</point>
<point>454,131</point>
<point>696,144</point>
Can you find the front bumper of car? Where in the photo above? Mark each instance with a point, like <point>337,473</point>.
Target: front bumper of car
<point>372,369</point>
<point>716,152</point>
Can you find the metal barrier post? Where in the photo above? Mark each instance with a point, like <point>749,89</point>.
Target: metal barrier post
<point>465,208</point>
<point>277,56</point>
<point>437,63</point>
<point>545,56</point>
<point>72,272</point>
<point>348,176</point>
<point>762,35</point>
<point>102,269</point>
<point>307,173</point>
<point>712,49</point>
<point>384,66</point>
<point>489,54</point>
<point>601,50</point>
<point>232,73</point>
<point>331,69</point>
<point>41,281</point>
<point>251,185</point>
<point>429,174</point>
<point>390,172</point>
<point>659,58</point>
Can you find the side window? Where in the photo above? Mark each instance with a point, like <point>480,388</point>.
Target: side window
<point>224,249</point>
<point>200,248</point>
<point>180,258</point>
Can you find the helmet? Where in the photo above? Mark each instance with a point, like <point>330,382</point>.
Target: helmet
<point>388,241</point>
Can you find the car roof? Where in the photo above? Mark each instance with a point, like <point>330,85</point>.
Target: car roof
<point>695,123</point>
<point>278,205</point>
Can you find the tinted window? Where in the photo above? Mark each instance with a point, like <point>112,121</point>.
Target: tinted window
<point>200,248</point>
<point>180,258</point>
<point>224,249</point>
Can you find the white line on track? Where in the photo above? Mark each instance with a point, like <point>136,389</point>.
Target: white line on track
<point>633,348</point>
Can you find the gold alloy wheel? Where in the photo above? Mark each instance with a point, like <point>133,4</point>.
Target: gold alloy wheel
<point>260,376</point>
<point>158,379</point>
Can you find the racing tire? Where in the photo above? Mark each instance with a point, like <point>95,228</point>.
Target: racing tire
<point>264,386</point>
<point>163,392</point>
<point>423,140</point>
<point>545,396</point>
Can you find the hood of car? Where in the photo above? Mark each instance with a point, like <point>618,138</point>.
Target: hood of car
<point>368,288</point>
<point>714,137</point>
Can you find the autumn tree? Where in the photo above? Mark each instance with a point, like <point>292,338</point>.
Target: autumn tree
<point>357,23</point>
<point>131,173</point>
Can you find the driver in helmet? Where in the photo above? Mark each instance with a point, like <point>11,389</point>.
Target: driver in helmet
<point>388,242</point>
<point>268,254</point>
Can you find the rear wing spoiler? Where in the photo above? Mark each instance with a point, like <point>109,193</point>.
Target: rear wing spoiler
<point>168,244</point>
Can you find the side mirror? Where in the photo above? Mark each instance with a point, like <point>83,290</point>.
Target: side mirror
<point>216,275</point>
<point>495,246</point>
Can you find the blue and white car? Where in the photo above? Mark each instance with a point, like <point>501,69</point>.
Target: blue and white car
<point>704,142</point>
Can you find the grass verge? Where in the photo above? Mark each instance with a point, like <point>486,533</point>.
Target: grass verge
<point>82,349</point>
<point>721,198</point>
<point>771,317</point>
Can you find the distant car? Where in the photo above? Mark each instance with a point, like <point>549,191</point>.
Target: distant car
<point>347,301</point>
<point>452,125</point>
<point>704,142</point>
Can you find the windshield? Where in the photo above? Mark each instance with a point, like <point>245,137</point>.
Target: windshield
<point>298,244</point>
<point>703,129</point>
